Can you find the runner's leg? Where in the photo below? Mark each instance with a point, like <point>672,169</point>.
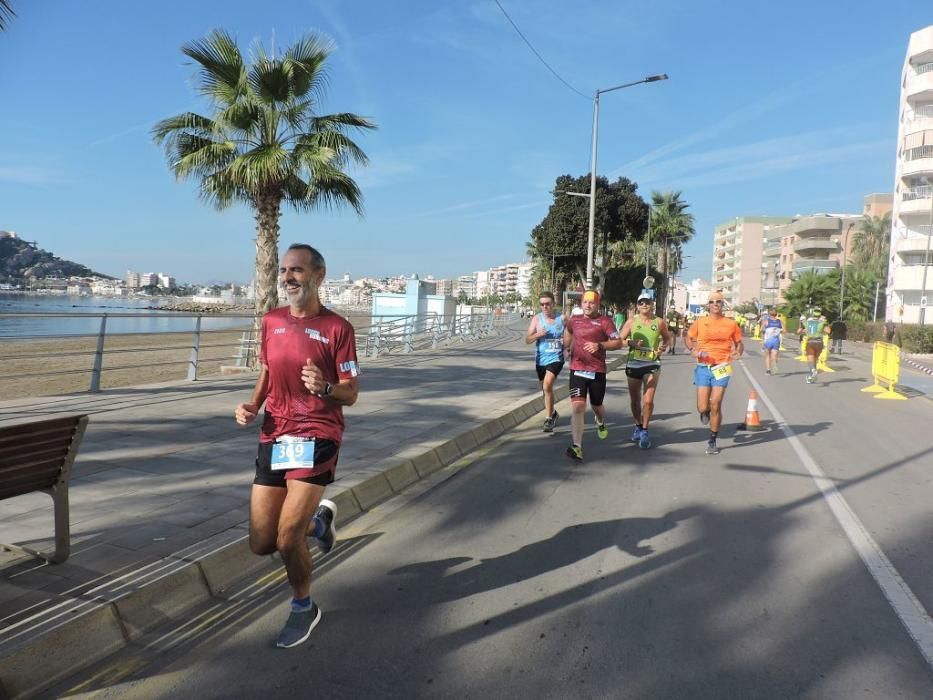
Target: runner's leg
<point>301,501</point>
<point>715,403</point>
<point>265,506</point>
<point>547,386</point>
<point>647,402</point>
<point>634,395</point>
<point>703,404</point>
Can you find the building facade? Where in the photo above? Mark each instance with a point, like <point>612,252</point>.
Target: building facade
<point>738,248</point>
<point>912,218</point>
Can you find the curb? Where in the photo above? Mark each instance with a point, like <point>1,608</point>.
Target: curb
<point>916,365</point>
<point>110,617</point>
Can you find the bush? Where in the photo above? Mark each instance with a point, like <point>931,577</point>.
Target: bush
<point>865,331</point>
<point>915,339</point>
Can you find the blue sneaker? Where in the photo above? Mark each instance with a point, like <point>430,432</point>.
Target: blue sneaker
<point>636,435</point>
<point>643,442</point>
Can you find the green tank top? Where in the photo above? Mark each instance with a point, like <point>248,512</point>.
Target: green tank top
<point>650,333</point>
<point>815,328</point>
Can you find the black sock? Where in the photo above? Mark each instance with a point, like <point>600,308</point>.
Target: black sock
<point>713,435</point>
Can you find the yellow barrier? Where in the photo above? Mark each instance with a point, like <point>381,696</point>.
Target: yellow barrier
<point>885,367</point>
<point>783,330</point>
<point>757,332</point>
<point>802,357</point>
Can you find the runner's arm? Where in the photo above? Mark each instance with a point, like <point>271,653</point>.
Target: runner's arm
<point>345,392</point>
<point>568,340</point>
<point>666,336</point>
<point>532,334</point>
<point>626,333</point>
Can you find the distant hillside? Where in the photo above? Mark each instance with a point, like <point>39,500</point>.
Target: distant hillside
<point>20,259</point>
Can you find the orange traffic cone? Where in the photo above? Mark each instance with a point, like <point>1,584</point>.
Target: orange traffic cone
<point>752,422</point>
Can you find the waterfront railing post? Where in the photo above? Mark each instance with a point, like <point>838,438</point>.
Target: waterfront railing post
<point>98,355</point>
<point>195,346</point>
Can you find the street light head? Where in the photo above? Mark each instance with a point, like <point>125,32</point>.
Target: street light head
<point>655,78</point>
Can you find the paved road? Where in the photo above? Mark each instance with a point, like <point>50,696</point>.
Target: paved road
<point>638,574</point>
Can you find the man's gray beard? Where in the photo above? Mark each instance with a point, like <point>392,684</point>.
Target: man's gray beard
<point>307,292</point>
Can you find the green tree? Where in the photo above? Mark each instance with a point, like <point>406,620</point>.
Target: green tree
<point>620,214</point>
<point>263,144</point>
<point>811,289</point>
<point>871,245</point>
<point>671,226</point>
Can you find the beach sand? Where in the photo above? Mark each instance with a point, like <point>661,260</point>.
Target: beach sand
<point>63,365</point>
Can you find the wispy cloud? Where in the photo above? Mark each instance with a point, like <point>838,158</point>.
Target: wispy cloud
<point>30,175</point>
<point>543,203</point>
<point>465,206</point>
<point>383,171</point>
<point>760,159</point>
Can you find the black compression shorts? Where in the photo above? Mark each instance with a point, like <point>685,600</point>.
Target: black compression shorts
<point>554,368</point>
<point>325,464</point>
<point>581,387</point>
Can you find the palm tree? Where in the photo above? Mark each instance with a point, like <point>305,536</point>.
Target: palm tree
<point>6,13</point>
<point>871,244</point>
<point>811,289</point>
<point>671,227</point>
<point>263,144</point>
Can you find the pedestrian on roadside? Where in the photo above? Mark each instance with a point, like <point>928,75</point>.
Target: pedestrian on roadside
<point>673,325</point>
<point>838,332</point>
<point>308,373</point>
<point>771,329</point>
<point>646,337</point>
<point>587,337</point>
<point>546,331</point>
<point>715,341</point>
<point>890,328</point>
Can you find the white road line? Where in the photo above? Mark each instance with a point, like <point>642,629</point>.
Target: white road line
<point>906,605</point>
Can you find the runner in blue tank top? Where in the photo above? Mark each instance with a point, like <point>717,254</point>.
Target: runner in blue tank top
<point>546,331</point>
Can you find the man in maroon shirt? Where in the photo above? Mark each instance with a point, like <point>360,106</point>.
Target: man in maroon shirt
<point>308,373</point>
<point>588,336</point>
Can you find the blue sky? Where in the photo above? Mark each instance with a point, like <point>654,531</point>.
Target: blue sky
<point>782,109</point>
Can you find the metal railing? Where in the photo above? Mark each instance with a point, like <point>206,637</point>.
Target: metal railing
<point>386,334</point>
<point>921,192</point>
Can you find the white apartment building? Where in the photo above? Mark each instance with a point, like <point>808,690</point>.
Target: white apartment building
<point>523,285</point>
<point>132,279</point>
<point>738,248</point>
<point>912,217</point>
<point>482,286</point>
<point>467,285</point>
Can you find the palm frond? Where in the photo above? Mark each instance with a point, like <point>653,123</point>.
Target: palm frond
<point>270,81</point>
<point>263,167</point>
<point>305,61</point>
<point>188,122</point>
<point>222,74</point>
<point>6,14</point>
<point>203,157</point>
<point>341,122</point>
<point>343,148</point>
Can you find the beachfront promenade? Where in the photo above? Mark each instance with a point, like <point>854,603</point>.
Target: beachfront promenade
<point>164,473</point>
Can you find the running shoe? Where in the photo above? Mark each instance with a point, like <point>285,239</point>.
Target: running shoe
<point>602,431</point>
<point>327,512</point>
<point>704,417</point>
<point>636,435</point>
<point>548,425</point>
<point>554,417</point>
<point>768,372</point>
<point>575,452</point>
<point>711,448</point>
<point>298,627</point>
<point>644,442</point>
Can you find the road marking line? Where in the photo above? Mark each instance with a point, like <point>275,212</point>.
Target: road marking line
<point>905,604</point>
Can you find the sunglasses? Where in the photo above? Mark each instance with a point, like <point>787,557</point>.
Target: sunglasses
<point>717,301</point>
<point>644,302</point>
<point>546,303</point>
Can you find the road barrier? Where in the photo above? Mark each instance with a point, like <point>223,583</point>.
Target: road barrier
<point>822,364</point>
<point>885,367</point>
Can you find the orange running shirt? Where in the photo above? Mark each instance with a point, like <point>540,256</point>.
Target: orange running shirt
<point>715,336</point>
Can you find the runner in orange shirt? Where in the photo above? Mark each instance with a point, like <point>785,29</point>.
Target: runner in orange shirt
<point>715,341</point>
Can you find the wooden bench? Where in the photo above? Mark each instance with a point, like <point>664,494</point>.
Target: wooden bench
<point>38,456</point>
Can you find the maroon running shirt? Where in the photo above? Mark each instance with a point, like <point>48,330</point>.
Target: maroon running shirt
<point>287,341</point>
<point>590,330</point>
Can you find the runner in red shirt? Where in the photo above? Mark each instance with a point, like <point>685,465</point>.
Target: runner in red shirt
<point>308,373</point>
<point>587,338</point>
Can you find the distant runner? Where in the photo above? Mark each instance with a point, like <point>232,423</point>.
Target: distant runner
<point>643,336</point>
<point>587,337</point>
<point>547,332</point>
<point>771,329</point>
<point>715,341</point>
<point>811,333</point>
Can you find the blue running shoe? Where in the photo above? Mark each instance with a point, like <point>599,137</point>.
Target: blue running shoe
<point>298,627</point>
<point>636,434</point>
<point>643,442</point>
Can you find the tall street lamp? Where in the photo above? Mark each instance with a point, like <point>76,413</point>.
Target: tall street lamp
<point>926,258</point>
<point>592,195</point>
<point>553,256</point>
<point>842,289</point>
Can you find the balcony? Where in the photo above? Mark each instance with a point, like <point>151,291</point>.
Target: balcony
<point>906,246</point>
<point>916,200</point>
<point>919,86</point>
<point>909,277</point>
<point>808,226</point>
<point>816,245</point>
<point>818,266</point>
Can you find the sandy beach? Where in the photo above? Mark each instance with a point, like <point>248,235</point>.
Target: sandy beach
<point>63,365</point>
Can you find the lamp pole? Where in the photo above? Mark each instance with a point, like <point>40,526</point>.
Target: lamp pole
<point>926,260</point>
<point>592,195</point>
<point>842,290</point>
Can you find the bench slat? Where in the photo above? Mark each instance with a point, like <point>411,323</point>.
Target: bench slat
<point>52,425</point>
<point>16,440</point>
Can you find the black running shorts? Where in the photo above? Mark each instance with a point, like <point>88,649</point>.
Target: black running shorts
<point>325,464</point>
<point>642,372</point>
<point>581,387</point>
<point>554,368</point>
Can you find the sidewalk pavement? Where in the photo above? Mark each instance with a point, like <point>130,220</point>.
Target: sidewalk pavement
<point>160,491</point>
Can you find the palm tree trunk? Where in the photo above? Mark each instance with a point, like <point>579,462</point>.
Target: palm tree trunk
<point>267,260</point>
